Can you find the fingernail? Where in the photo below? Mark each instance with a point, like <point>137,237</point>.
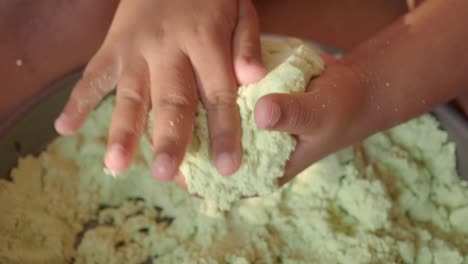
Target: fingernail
<point>267,114</point>
<point>225,164</point>
<point>163,167</point>
<point>115,158</point>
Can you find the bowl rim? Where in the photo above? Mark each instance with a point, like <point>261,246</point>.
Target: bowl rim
<point>36,99</point>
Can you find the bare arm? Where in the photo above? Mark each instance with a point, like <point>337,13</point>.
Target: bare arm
<point>340,23</point>
<point>49,39</point>
<point>417,63</point>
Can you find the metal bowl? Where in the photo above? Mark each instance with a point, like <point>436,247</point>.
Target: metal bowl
<point>30,129</point>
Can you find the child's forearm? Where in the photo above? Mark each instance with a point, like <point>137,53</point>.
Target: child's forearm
<point>340,23</point>
<point>43,40</point>
<point>419,62</point>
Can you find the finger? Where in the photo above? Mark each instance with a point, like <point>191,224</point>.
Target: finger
<point>180,180</point>
<point>128,117</point>
<point>247,53</point>
<point>297,163</point>
<point>173,94</point>
<point>218,93</point>
<point>99,78</point>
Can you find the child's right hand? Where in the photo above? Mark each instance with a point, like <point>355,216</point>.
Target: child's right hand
<point>165,54</point>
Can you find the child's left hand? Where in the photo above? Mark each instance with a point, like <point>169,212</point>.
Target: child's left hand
<point>398,74</point>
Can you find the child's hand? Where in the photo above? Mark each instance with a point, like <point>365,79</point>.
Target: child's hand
<point>322,119</point>
<point>408,69</point>
<point>165,54</point>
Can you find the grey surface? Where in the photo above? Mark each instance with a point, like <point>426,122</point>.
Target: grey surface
<point>30,129</point>
<point>456,126</point>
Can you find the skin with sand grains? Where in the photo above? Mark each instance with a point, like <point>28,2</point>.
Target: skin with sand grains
<point>63,54</point>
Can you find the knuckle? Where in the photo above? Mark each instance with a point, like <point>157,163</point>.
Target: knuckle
<point>131,96</point>
<point>221,100</point>
<point>157,34</point>
<point>89,75</point>
<point>80,102</point>
<point>224,137</point>
<point>97,85</point>
<point>248,49</point>
<point>123,135</point>
<point>303,115</point>
<point>169,143</point>
<point>80,107</point>
<point>106,59</point>
<point>299,118</point>
<point>99,76</point>
<point>173,99</point>
<point>205,31</point>
<point>213,29</point>
<point>149,40</point>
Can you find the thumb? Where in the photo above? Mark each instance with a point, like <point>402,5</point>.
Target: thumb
<point>247,53</point>
<point>294,113</point>
<point>328,104</point>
